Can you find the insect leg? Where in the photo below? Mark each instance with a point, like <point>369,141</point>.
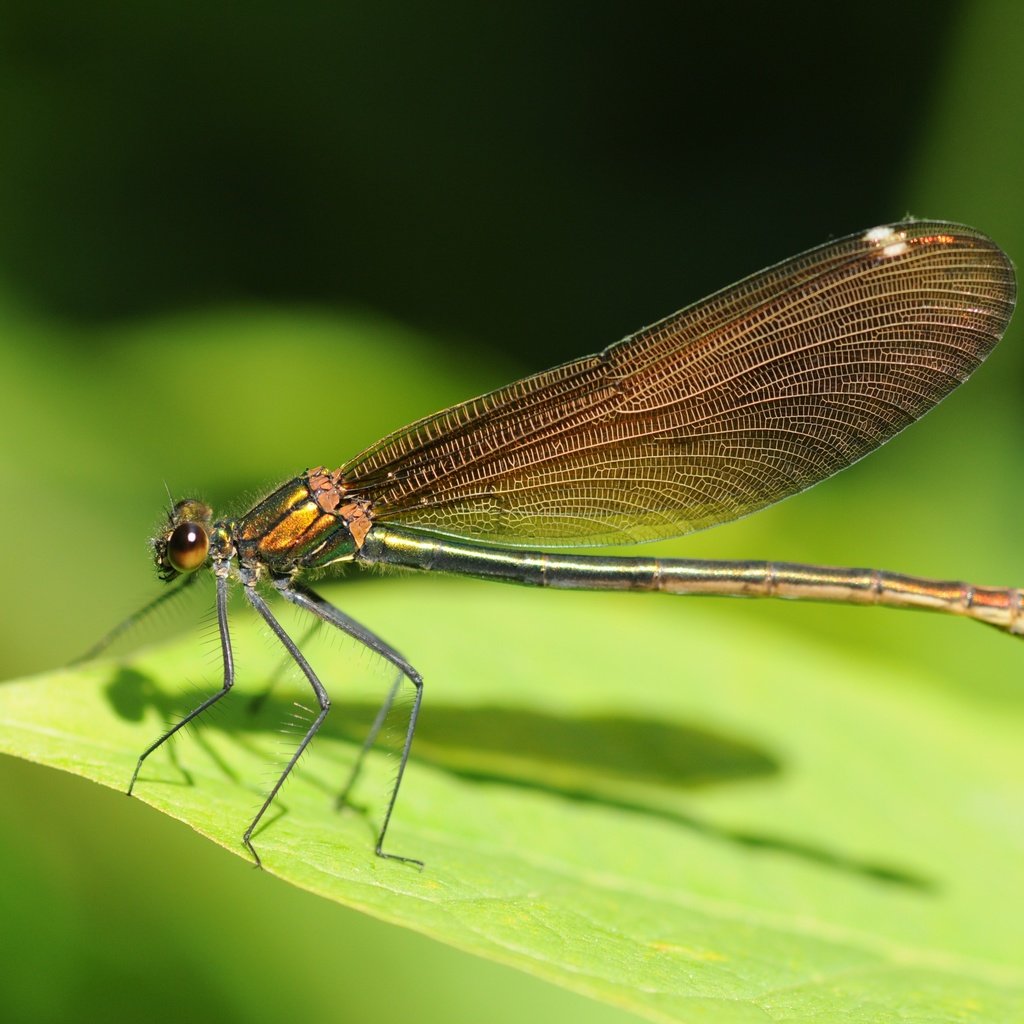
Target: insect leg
<point>257,702</point>
<point>133,620</point>
<point>322,698</point>
<point>371,737</point>
<point>229,676</point>
<point>311,601</point>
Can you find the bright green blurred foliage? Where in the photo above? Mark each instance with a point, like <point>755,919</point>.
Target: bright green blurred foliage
<point>239,243</point>
<point>678,850</point>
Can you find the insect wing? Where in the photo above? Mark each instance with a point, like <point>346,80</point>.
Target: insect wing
<point>742,399</point>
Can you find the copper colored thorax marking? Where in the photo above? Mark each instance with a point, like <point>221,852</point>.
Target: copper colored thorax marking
<point>329,490</point>
<point>357,516</point>
<point>326,487</point>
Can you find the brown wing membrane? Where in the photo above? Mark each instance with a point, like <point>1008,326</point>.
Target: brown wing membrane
<point>744,398</point>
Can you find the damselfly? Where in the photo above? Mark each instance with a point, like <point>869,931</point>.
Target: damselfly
<point>753,394</point>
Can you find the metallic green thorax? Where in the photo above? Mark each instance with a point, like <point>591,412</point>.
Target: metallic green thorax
<point>290,529</point>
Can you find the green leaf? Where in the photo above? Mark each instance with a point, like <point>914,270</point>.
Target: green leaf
<point>688,809</point>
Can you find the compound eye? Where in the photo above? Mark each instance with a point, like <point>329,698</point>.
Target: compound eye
<point>187,547</point>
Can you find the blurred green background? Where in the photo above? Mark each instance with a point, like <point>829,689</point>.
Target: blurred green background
<point>239,240</point>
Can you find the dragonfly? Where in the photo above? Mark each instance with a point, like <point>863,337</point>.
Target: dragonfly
<point>751,395</point>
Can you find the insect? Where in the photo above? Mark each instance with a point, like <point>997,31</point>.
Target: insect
<point>753,394</point>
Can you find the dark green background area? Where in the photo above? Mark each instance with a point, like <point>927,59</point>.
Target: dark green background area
<point>244,239</point>
<point>532,176</point>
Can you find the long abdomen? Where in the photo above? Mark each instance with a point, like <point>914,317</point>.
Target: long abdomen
<point>1000,607</point>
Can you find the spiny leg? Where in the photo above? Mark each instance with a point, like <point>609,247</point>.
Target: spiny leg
<point>133,620</point>
<point>257,702</point>
<point>371,738</point>
<point>308,599</point>
<point>229,675</point>
<point>322,698</point>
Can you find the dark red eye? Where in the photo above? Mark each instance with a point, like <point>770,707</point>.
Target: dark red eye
<point>187,547</point>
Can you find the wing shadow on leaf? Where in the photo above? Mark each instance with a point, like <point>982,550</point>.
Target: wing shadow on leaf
<point>636,765</point>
